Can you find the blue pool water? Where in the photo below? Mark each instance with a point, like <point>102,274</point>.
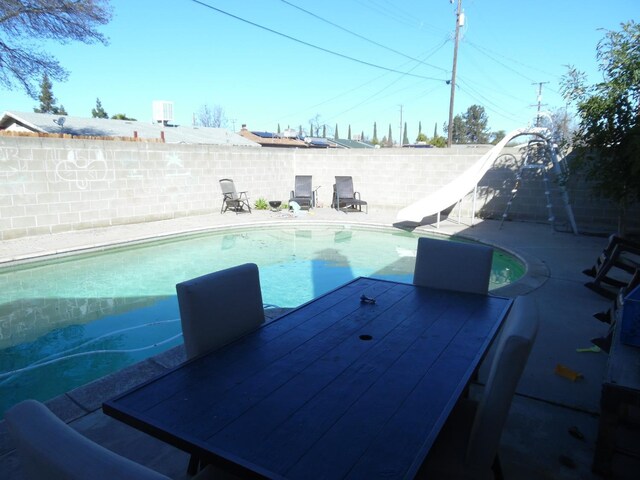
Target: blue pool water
<point>68,321</point>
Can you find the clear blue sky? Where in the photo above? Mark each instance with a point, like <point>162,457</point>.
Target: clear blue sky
<point>192,55</point>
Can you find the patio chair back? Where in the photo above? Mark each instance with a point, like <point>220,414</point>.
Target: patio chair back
<point>512,352</point>
<point>464,267</point>
<point>468,444</point>
<point>50,449</point>
<point>344,194</point>
<point>344,188</point>
<point>217,308</point>
<point>303,191</point>
<point>228,189</point>
<point>231,199</point>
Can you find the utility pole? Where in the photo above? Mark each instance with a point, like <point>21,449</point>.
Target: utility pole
<point>401,125</point>
<point>459,23</point>
<point>539,101</point>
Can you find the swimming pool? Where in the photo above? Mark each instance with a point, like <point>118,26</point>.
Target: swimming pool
<point>67,321</point>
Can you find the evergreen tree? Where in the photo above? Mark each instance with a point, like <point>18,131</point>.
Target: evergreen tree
<point>435,130</point>
<point>374,140</point>
<point>362,136</point>
<point>390,139</point>
<point>405,137</point>
<point>475,122</point>
<point>439,142</point>
<point>335,133</point>
<point>324,131</point>
<point>349,133</point>
<point>497,136</point>
<point>421,136</point>
<point>279,129</point>
<point>122,116</point>
<point>459,130</point>
<point>47,100</point>
<point>99,112</point>
<point>300,131</point>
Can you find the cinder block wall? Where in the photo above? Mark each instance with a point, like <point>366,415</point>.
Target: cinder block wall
<point>50,185</point>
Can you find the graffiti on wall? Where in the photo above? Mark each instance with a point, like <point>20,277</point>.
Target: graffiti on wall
<point>80,167</point>
<point>13,165</point>
<point>175,166</point>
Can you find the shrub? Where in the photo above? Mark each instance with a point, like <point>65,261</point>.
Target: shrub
<point>261,204</point>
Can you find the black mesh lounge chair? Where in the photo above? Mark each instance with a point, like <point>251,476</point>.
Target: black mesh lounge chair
<point>344,196</point>
<point>303,194</point>
<point>232,200</point>
<point>613,314</point>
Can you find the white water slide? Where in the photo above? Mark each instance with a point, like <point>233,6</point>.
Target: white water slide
<point>457,189</point>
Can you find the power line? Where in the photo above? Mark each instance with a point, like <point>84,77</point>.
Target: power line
<point>370,97</point>
<point>496,86</point>
<point>361,36</point>
<point>289,37</point>
<point>505,114</point>
<point>386,13</point>
<point>479,49</point>
<point>486,51</point>
<point>397,9</point>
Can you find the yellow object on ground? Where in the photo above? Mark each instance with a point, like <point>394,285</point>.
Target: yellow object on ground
<point>566,372</point>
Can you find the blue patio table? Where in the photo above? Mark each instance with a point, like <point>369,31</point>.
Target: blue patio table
<point>344,386</point>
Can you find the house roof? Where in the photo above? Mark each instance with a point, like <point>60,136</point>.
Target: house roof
<point>318,142</point>
<point>102,127</point>
<point>345,143</point>
<point>267,139</point>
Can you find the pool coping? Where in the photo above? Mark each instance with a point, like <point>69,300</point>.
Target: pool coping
<point>535,275</point>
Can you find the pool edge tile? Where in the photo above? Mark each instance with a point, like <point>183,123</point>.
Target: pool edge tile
<point>91,396</point>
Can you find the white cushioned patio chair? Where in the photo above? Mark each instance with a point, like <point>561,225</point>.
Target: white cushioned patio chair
<point>49,449</point>
<point>463,267</point>
<point>467,446</point>
<point>216,309</point>
<point>219,307</point>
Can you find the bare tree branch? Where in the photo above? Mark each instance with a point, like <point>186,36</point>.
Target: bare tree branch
<point>211,116</point>
<point>23,21</point>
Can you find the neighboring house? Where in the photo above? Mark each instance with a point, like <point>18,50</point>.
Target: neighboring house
<point>290,139</point>
<point>269,139</point>
<point>102,127</point>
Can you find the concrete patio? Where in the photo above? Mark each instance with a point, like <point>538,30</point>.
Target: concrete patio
<point>536,443</point>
